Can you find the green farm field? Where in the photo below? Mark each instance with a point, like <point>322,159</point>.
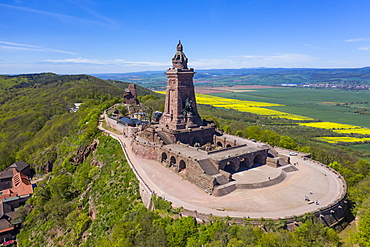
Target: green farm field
<point>319,104</point>
<point>360,147</point>
<point>332,115</point>
<point>288,95</point>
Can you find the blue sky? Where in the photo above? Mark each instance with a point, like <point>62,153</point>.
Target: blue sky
<point>96,36</point>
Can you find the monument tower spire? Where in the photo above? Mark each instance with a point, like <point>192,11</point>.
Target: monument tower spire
<point>180,110</point>
<point>179,60</point>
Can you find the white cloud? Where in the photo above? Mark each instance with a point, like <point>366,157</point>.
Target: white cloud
<point>364,48</point>
<point>18,46</point>
<point>313,47</point>
<point>83,5</point>
<point>77,60</point>
<point>81,60</point>
<point>357,40</point>
<point>103,21</point>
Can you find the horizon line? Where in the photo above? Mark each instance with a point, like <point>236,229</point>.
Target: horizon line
<point>146,71</point>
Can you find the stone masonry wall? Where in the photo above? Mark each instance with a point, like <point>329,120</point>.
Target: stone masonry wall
<point>192,172</point>
<point>191,136</point>
<point>224,142</point>
<point>195,175</point>
<point>144,150</point>
<point>125,130</point>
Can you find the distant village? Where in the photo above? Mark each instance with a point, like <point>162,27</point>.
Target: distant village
<point>351,87</point>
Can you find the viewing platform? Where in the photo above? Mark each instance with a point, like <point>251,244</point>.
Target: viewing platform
<point>324,188</point>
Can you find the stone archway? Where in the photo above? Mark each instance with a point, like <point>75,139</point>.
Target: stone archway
<point>244,163</point>
<point>259,160</point>
<point>230,167</point>
<point>219,144</point>
<point>172,161</point>
<point>163,157</point>
<point>182,166</point>
<point>228,146</point>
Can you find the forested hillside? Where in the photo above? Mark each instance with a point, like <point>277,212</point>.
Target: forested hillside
<point>35,113</point>
<point>91,197</point>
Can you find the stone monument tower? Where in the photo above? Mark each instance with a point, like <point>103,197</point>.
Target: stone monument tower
<point>180,111</point>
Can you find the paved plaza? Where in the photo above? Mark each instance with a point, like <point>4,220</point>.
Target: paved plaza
<point>256,174</point>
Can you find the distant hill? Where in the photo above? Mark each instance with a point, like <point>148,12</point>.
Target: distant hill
<point>252,76</point>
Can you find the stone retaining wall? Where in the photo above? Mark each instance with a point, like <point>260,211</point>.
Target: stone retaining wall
<point>125,130</point>
<point>263,184</point>
<point>332,215</point>
<point>191,171</point>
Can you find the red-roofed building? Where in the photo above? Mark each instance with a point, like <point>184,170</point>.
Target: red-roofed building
<point>20,186</point>
<point>15,189</point>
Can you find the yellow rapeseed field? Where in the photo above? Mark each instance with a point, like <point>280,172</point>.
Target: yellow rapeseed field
<point>245,106</point>
<point>330,125</point>
<point>342,139</point>
<point>215,100</point>
<point>361,131</point>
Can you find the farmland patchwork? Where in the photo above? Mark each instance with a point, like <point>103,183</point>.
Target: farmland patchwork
<point>259,108</point>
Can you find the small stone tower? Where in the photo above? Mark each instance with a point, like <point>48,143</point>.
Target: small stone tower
<point>180,109</point>
<point>130,95</point>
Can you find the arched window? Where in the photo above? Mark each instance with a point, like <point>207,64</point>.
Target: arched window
<point>230,167</point>
<point>258,160</point>
<point>244,164</point>
<point>163,157</point>
<point>172,161</point>
<point>182,165</point>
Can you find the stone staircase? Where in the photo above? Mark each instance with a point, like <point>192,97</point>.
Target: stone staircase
<point>164,138</point>
<point>220,179</point>
<point>208,167</point>
<point>275,155</point>
<point>272,151</point>
<point>224,186</point>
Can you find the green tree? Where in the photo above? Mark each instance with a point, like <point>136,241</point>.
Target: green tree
<point>253,132</point>
<point>362,236</point>
<point>180,231</point>
<point>227,129</point>
<point>286,142</point>
<point>122,109</point>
